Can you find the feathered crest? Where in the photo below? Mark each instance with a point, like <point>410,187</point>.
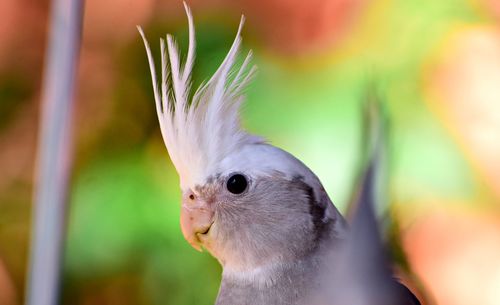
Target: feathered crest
<point>199,133</point>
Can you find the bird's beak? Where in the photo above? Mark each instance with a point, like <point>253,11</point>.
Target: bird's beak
<point>196,220</point>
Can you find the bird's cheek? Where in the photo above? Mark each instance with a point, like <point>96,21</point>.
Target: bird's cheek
<point>196,223</point>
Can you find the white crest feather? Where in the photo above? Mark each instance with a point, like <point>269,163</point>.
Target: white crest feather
<point>199,133</point>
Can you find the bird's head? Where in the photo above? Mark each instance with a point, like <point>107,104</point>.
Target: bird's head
<point>247,202</point>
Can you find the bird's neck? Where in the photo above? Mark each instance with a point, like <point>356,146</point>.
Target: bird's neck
<point>272,273</point>
<point>276,283</point>
<point>282,281</point>
<point>274,270</point>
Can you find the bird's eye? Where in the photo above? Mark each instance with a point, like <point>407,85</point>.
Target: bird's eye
<point>237,184</point>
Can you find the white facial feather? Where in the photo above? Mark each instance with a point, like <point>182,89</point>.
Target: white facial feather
<point>202,131</point>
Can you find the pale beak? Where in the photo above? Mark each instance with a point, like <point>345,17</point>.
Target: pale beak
<point>196,220</point>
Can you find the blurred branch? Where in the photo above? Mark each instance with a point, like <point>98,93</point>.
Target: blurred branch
<point>54,152</point>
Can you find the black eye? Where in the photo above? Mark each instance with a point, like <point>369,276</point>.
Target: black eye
<point>237,184</point>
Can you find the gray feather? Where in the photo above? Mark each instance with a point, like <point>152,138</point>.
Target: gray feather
<point>363,275</point>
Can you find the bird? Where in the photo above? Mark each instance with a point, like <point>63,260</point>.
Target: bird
<point>260,211</point>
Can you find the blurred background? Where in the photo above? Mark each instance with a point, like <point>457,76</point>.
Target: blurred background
<point>436,65</point>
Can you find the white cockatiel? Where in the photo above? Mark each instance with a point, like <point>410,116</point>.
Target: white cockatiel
<point>260,211</point>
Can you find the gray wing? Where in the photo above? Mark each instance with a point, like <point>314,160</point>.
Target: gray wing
<point>362,268</point>
<point>363,275</point>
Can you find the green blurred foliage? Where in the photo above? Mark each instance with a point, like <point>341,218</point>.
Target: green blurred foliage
<point>124,223</point>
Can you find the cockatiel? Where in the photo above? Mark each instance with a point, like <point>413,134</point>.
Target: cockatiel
<point>257,209</point>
